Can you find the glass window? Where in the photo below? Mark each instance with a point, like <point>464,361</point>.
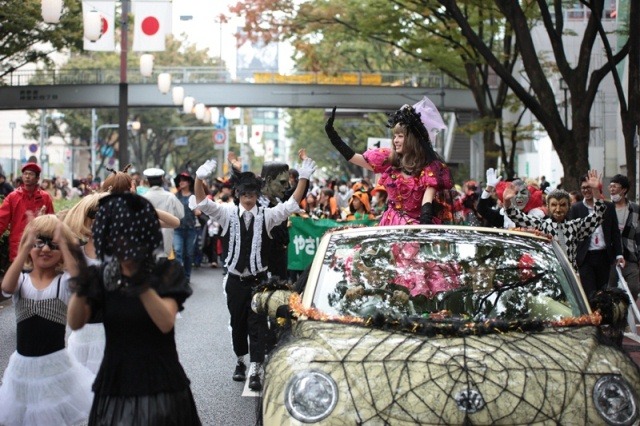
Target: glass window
<point>469,275</point>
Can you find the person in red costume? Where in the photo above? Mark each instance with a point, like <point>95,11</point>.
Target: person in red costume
<point>415,176</point>
<point>22,205</point>
<point>528,199</point>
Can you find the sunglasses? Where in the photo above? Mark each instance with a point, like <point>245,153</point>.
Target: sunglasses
<point>41,242</point>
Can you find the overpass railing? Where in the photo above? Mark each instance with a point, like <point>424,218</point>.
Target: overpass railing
<point>203,75</point>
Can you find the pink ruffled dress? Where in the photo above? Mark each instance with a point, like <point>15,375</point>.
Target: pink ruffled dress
<point>426,278</point>
<point>405,192</point>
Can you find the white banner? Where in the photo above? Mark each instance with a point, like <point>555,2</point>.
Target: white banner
<point>257,130</point>
<point>232,113</point>
<point>107,41</point>
<point>152,20</point>
<point>242,134</point>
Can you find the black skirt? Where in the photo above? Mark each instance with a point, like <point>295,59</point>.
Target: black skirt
<point>162,409</point>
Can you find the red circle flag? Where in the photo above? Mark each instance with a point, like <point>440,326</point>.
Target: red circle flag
<point>150,25</point>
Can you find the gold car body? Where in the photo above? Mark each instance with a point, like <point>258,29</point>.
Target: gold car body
<point>389,376</point>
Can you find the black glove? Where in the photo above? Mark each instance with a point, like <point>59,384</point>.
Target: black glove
<point>426,214</point>
<point>335,139</point>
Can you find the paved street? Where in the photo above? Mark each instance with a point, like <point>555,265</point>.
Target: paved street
<point>204,344</point>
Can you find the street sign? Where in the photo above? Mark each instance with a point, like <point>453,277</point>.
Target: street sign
<point>219,137</point>
<point>373,143</point>
<point>33,148</point>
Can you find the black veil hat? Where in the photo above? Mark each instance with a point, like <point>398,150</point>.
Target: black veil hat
<point>422,119</point>
<point>127,227</point>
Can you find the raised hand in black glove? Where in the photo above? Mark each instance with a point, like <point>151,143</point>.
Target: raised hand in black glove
<point>336,140</point>
<point>426,214</point>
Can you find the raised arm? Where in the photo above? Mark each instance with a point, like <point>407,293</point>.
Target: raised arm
<point>203,172</point>
<point>304,174</point>
<point>344,149</point>
<point>167,220</point>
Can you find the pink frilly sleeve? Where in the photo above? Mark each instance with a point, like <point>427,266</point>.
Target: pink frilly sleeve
<point>378,158</point>
<point>437,175</point>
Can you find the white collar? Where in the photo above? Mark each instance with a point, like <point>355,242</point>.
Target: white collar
<point>254,210</point>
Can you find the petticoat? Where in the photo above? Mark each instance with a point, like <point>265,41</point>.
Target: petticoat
<point>87,346</point>
<point>51,389</point>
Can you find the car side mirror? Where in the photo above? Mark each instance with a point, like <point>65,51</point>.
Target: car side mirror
<point>273,303</point>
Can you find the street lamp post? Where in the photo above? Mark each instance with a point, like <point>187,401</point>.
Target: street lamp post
<point>12,126</point>
<point>123,154</point>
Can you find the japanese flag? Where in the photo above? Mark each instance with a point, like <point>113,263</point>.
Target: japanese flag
<point>257,131</point>
<point>106,42</point>
<point>152,25</point>
<point>242,134</point>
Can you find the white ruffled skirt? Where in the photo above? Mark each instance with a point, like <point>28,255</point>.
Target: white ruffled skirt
<point>51,389</point>
<point>86,345</point>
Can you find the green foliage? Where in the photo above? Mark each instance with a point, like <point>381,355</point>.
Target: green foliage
<point>25,38</point>
<point>62,205</point>
<point>306,128</point>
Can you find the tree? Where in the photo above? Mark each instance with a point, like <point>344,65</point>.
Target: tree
<point>582,78</point>
<point>401,35</point>
<point>306,128</point>
<point>26,39</point>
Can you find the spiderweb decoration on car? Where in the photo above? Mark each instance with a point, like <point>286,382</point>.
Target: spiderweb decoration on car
<point>398,378</point>
<point>452,330</point>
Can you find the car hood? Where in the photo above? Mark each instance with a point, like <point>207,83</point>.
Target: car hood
<point>396,377</point>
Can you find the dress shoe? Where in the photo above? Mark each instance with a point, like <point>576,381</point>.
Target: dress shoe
<point>239,373</point>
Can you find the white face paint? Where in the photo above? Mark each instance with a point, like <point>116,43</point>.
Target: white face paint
<point>522,196</point>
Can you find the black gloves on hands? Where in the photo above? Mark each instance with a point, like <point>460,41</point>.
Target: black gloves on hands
<point>335,139</point>
<point>426,214</point>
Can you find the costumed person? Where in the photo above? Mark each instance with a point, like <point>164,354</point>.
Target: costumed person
<point>138,292</point>
<point>378,201</point>
<point>359,207</point>
<point>22,204</point>
<point>465,206</point>
<point>415,176</point>
<point>528,200</point>
<point>43,384</point>
<point>247,228</point>
<point>87,343</point>
<point>566,232</point>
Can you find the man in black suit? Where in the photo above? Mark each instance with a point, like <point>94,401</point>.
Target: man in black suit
<point>596,255</point>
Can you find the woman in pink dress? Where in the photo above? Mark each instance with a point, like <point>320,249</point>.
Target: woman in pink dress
<point>416,178</point>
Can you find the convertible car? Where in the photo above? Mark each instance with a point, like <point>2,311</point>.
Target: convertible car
<point>445,325</point>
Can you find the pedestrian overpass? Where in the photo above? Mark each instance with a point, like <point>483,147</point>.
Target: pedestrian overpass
<point>212,86</point>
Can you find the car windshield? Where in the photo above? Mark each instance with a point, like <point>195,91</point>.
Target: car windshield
<point>461,274</point>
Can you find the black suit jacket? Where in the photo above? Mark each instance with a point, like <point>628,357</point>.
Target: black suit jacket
<point>609,228</point>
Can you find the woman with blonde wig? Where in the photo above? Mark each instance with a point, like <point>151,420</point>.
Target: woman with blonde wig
<point>43,384</point>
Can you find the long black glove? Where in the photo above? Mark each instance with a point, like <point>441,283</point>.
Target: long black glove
<point>335,139</point>
<point>426,214</point>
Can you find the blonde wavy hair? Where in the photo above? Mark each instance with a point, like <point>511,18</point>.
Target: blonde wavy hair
<point>45,226</point>
<point>78,217</point>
